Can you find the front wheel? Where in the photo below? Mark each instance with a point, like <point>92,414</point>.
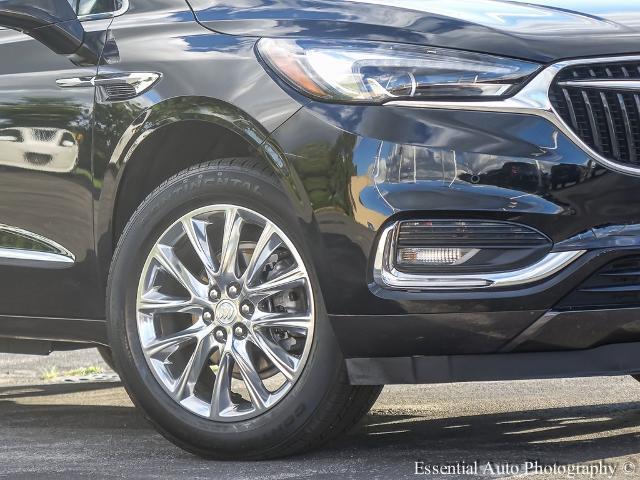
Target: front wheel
<point>217,323</point>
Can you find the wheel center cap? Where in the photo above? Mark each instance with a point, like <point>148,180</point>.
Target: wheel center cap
<point>225,312</point>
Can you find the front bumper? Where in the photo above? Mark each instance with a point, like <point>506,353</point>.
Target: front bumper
<point>362,168</point>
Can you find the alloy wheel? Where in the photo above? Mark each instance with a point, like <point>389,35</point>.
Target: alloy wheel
<point>225,312</point>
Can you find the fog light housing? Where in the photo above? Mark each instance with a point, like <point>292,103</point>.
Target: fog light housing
<point>466,246</point>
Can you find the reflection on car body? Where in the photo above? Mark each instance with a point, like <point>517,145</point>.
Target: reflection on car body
<point>38,148</point>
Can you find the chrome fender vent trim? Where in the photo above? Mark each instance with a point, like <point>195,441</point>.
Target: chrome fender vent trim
<point>115,87</point>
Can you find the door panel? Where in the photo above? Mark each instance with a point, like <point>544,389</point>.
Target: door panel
<point>46,183</point>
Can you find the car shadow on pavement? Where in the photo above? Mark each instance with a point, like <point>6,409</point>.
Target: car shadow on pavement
<point>76,405</point>
<point>47,390</point>
<point>566,435</point>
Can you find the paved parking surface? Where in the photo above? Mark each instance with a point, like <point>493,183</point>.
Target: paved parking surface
<point>88,428</point>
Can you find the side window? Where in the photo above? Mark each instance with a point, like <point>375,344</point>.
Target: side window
<point>92,7</point>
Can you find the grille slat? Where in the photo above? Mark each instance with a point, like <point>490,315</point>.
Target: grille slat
<point>613,139</point>
<point>572,110</point>
<point>614,289</point>
<point>625,273</point>
<point>607,120</point>
<point>627,128</point>
<point>592,121</point>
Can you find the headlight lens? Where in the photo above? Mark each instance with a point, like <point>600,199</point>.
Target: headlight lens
<point>366,72</point>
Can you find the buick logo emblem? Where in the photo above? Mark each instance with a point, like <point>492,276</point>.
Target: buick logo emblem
<point>225,312</point>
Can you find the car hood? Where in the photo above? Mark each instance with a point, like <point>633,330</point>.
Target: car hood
<point>538,30</point>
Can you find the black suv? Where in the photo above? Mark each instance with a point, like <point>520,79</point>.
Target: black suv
<point>264,210</point>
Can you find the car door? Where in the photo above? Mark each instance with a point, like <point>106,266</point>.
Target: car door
<point>47,261</point>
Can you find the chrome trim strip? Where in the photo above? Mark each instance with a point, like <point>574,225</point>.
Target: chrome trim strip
<point>32,258</point>
<point>75,82</point>
<point>60,257</point>
<point>603,84</point>
<point>386,275</point>
<point>100,16</point>
<point>533,99</point>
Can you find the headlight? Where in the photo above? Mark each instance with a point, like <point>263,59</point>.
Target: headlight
<point>368,72</point>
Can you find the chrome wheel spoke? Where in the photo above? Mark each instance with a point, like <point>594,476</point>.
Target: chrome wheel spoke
<point>257,391</point>
<point>292,321</point>
<point>221,395</point>
<point>172,342</point>
<point>155,302</point>
<point>186,382</point>
<point>283,361</point>
<point>230,242</point>
<point>287,281</point>
<point>196,231</point>
<point>268,242</point>
<point>170,263</point>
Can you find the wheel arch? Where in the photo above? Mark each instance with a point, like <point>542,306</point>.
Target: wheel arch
<point>149,152</point>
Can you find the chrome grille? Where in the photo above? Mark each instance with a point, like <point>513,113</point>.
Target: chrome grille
<point>606,118</point>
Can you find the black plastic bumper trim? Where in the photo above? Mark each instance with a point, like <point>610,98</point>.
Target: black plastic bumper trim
<point>53,329</point>
<point>618,359</point>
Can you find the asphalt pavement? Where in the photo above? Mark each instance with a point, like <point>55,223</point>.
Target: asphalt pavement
<point>82,424</point>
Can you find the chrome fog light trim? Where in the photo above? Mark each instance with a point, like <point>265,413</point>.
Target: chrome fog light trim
<point>386,275</point>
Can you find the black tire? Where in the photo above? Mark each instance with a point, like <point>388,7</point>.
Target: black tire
<point>107,356</point>
<point>320,406</point>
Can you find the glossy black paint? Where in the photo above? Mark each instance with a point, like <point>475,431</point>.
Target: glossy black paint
<point>429,334</point>
<point>477,165</point>
<point>52,22</point>
<point>542,31</point>
<point>348,170</point>
<point>28,17</point>
<point>52,199</point>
